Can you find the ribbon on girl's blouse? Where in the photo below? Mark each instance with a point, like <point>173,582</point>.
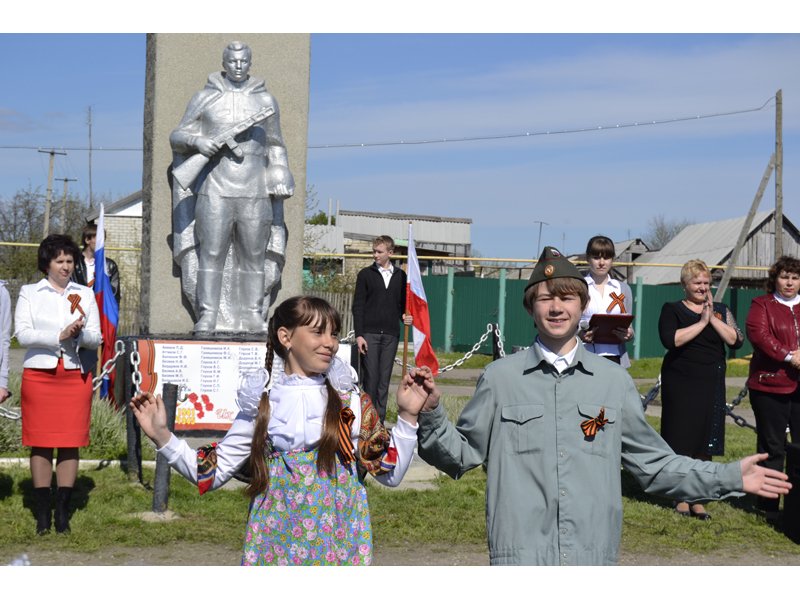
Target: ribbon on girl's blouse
<point>346,448</point>
<point>617,300</point>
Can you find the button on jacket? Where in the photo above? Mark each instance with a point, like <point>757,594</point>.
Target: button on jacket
<point>553,495</point>
<point>40,316</point>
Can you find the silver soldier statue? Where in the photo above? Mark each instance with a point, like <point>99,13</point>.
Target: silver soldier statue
<point>230,176</point>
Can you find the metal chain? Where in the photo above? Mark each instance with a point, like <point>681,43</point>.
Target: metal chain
<point>350,337</point>
<point>651,395</point>
<point>499,337</point>
<point>468,355</point>
<point>489,330</point>
<point>110,364</point>
<point>136,377</point>
<point>740,421</point>
<point>10,414</point>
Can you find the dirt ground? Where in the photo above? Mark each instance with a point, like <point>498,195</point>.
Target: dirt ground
<point>435,555</point>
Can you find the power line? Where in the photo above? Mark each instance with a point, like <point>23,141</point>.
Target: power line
<point>477,138</point>
<point>73,149</point>
<point>543,133</point>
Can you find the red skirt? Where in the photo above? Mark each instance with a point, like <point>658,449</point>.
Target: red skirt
<point>56,407</point>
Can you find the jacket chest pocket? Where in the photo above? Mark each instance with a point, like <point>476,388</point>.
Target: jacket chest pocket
<point>602,442</point>
<point>521,426</point>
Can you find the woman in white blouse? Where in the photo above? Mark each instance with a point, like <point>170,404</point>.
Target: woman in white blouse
<point>58,322</point>
<point>606,296</point>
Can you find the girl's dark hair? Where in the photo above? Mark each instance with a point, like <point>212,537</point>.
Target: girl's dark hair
<point>297,311</point>
<point>52,246</point>
<point>784,263</point>
<point>600,247</point>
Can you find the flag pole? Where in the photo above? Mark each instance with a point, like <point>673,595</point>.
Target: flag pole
<point>405,327</point>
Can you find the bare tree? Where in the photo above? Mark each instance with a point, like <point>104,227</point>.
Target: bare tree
<point>22,221</point>
<point>661,230</point>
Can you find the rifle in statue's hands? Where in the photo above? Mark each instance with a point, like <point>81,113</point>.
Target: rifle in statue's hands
<point>188,170</point>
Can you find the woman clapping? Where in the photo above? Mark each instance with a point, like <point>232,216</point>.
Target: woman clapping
<point>58,322</point>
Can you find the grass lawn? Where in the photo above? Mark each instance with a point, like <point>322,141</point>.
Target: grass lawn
<point>107,504</point>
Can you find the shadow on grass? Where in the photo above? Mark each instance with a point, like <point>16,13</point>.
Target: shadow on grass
<point>6,486</point>
<point>79,500</point>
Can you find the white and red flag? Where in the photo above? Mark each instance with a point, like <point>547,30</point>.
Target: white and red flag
<point>107,303</point>
<point>417,307</point>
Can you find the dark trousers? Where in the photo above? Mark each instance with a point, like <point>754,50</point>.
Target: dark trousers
<point>774,412</point>
<point>376,368</point>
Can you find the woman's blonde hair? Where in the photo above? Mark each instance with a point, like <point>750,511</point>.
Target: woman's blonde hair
<point>692,269</point>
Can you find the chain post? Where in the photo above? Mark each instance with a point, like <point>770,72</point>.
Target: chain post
<point>134,436</point>
<point>137,375</point>
<point>110,364</point>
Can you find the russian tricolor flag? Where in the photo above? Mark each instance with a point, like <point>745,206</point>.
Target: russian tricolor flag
<point>107,304</point>
<point>417,307</point>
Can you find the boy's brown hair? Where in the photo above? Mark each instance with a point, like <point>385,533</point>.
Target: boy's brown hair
<point>385,240</point>
<point>560,286</point>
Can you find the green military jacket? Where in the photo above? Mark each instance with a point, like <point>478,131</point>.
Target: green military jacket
<point>553,495</point>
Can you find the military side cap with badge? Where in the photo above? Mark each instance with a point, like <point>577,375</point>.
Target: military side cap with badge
<point>553,264</point>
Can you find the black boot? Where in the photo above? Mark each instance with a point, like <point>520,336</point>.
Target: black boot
<point>41,498</point>
<point>63,495</point>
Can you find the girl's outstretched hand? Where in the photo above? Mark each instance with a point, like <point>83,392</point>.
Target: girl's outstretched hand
<point>416,392</point>
<point>152,416</point>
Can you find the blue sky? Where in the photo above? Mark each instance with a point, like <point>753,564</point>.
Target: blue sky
<point>368,88</point>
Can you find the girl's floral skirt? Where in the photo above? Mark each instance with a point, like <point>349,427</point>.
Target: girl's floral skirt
<point>308,518</point>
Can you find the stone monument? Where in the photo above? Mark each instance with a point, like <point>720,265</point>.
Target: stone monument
<point>230,177</point>
<point>222,234</point>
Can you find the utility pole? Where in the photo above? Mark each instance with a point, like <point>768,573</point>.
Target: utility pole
<point>64,203</point>
<point>778,174</point>
<point>49,198</point>
<point>89,123</point>
<point>539,243</point>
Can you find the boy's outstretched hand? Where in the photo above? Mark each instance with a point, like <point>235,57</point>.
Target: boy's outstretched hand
<point>416,392</point>
<point>762,481</point>
<point>152,416</point>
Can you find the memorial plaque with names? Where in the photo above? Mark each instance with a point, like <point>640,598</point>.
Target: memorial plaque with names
<point>207,375</point>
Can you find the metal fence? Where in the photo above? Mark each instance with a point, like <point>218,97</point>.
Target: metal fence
<point>476,302</point>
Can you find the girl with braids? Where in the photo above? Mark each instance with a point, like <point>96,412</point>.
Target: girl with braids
<point>303,434</point>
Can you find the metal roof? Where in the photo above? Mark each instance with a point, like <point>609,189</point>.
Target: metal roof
<point>711,242</point>
<point>129,206</point>
<point>402,216</point>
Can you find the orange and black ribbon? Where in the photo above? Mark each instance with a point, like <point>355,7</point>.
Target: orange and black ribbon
<point>75,303</point>
<point>346,448</point>
<point>617,300</point>
<point>590,426</point>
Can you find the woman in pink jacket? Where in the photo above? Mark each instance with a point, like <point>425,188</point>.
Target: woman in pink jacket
<point>773,328</point>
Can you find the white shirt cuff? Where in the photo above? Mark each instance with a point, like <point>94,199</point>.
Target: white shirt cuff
<point>405,429</point>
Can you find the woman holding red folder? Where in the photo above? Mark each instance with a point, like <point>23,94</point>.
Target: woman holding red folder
<point>606,296</point>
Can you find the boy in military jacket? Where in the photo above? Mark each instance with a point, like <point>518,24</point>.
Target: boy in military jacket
<point>553,424</point>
